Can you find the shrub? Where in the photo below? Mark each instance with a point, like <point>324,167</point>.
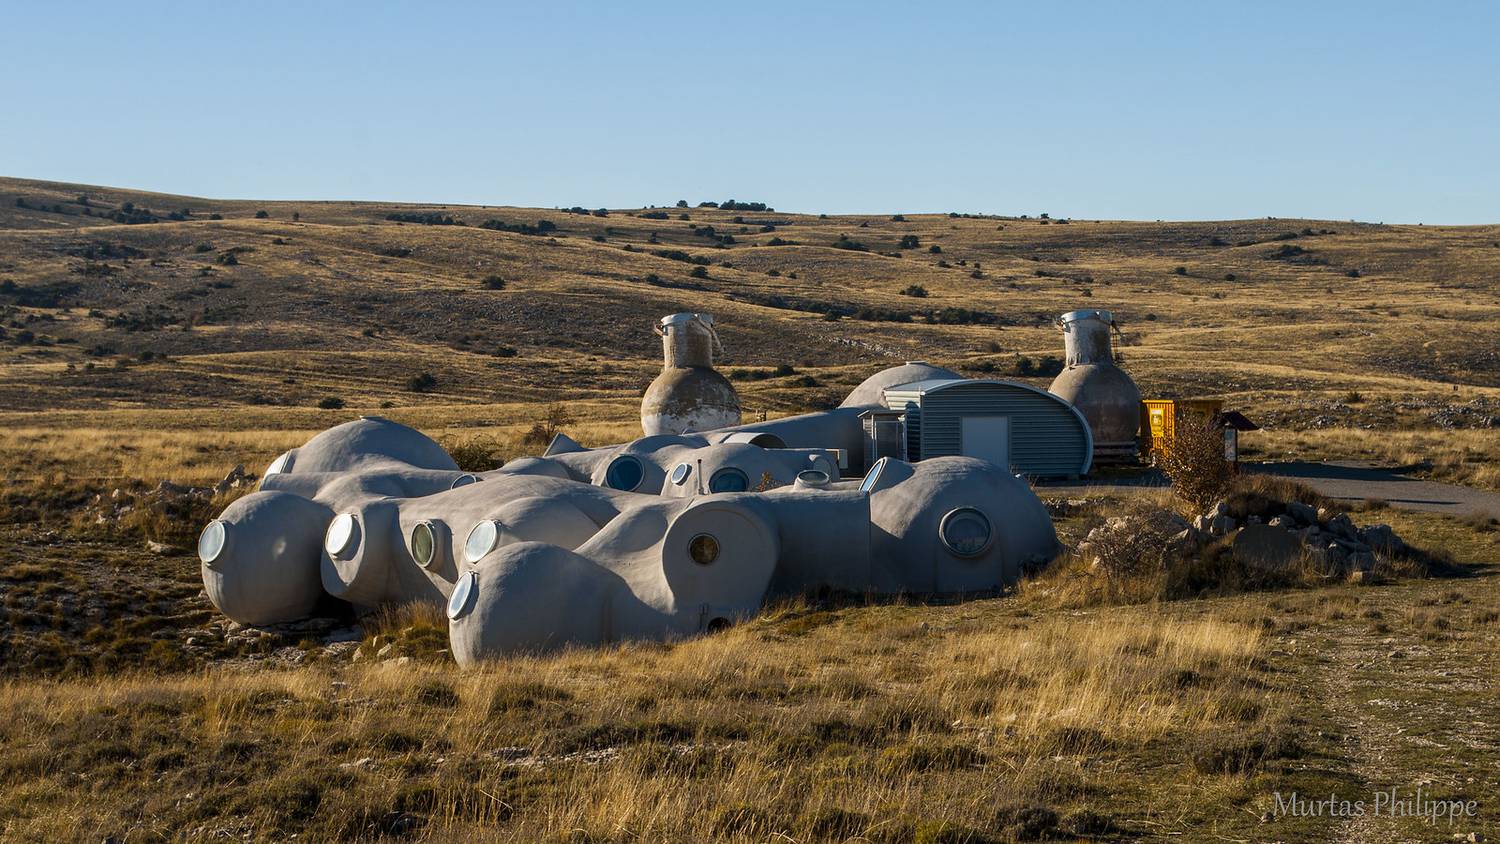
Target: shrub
<point>477,454</point>
<point>915,290</point>
<point>542,227</point>
<point>331,403</point>
<point>1353,397</point>
<point>1180,271</point>
<point>897,218</point>
<point>852,245</point>
<point>261,215</point>
<point>553,420</point>
<point>935,249</point>
<point>1141,550</point>
<point>430,218</point>
<point>699,272</point>
<point>493,282</point>
<point>1194,462</point>
<point>1229,276</point>
<point>1242,753</point>
<point>910,241</point>
<point>421,383</point>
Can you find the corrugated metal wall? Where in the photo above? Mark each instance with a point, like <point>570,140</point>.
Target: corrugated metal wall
<point>1047,437</point>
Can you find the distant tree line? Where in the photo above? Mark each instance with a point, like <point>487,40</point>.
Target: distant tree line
<point>541,227</point>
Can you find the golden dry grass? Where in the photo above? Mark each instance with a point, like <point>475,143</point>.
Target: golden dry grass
<point>822,726</point>
<point>1469,457</point>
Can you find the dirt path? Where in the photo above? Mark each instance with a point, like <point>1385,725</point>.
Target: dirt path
<point>1347,481</point>
<point>1408,678</point>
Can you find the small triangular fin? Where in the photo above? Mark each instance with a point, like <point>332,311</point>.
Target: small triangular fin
<point>562,444</point>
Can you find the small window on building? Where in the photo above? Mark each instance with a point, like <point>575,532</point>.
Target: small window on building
<point>212,541</point>
<point>464,480</point>
<point>280,464</point>
<point>680,473</point>
<point>729,479</point>
<point>872,477</point>
<point>703,548</point>
<point>966,532</point>
<point>424,544</point>
<point>625,473</point>
<point>481,540</point>
<point>464,592</point>
<point>340,535</point>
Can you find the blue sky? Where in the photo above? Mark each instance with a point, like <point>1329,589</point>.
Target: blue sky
<point>1369,111</point>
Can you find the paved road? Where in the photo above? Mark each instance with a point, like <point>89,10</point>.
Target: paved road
<point>1343,481</point>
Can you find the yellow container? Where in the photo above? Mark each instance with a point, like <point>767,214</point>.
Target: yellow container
<point>1160,417</point>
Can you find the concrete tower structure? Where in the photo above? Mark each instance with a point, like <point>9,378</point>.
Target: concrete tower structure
<point>1102,392</point>
<point>689,395</point>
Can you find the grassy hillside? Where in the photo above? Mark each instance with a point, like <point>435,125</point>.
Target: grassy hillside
<point>226,320</point>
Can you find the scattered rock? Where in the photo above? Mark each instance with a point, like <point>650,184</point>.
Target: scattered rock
<point>1382,538</point>
<point>1266,548</point>
<point>1343,527</point>
<point>162,548</point>
<point>385,651</point>
<point>1303,513</point>
<point>234,480</point>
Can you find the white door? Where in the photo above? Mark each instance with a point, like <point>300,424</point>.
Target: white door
<point>986,437</point>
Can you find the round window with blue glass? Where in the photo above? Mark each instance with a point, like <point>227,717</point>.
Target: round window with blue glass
<point>625,473</point>
<point>729,479</point>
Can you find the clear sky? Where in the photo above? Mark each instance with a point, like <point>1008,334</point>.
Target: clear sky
<point>1195,110</point>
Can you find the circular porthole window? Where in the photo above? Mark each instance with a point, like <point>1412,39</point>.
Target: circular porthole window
<point>966,532</point>
<point>625,473</point>
<point>729,479</point>
<point>211,542</point>
<point>680,473</point>
<point>703,548</point>
<point>464,592</point>
<point>279,465</point>
<point>481,540</point>
<point>340,536</point>
<point>424,544</point>
<point>464,480</point>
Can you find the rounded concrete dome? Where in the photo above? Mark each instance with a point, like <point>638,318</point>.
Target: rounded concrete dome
<point>1108,400</point>
<point>688,399</point>
<point>368,439</point>
<point>958,524</point>
<point>872,390</point>
<point>260,558</point>
<point>528,597</point>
